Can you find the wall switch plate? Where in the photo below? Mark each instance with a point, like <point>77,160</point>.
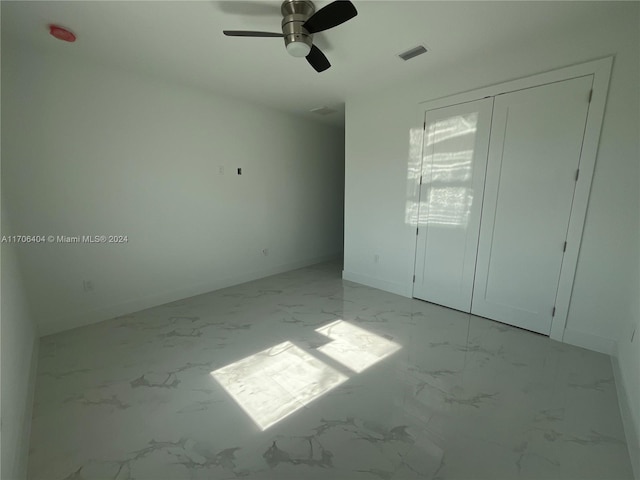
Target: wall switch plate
<point>87,285</point>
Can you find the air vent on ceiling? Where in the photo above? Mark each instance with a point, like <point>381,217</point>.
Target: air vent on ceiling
<point>414,52</point>
<point>323,110</point>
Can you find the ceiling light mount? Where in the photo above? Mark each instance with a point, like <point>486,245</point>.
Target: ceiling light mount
<point>297,7</point>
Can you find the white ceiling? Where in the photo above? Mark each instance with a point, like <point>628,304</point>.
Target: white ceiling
<point>183,41</point>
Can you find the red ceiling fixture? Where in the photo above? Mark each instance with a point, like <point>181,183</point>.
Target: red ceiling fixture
<point>62,33</point>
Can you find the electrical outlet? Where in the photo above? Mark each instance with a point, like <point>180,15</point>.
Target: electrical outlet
<point>221,170</point>
<point>376,258</point>
<point>87,285</point>
<point>265,252</point>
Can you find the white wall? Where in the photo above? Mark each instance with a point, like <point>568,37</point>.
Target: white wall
<point>18,354</point>
<point>604,300</point>
<point>627,370</point>
<point>627,361</point>
<point>92,150</point>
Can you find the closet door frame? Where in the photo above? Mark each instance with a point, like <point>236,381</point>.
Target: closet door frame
<point>601,71</point>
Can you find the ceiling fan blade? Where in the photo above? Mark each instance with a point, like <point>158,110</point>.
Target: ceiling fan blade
<point>330,16</point>
<point>317,59</point>
<point>248,33</point>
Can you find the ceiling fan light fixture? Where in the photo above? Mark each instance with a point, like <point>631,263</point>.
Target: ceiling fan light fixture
<point>298,49</point>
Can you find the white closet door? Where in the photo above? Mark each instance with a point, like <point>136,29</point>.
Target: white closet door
<point>455,145</point>
<point>534,154</point>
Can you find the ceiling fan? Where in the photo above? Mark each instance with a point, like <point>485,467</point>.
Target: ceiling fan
<point>299,24</point>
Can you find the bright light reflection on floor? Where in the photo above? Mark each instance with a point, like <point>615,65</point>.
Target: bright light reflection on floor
<point>355,347</point>
<point>272,384</point>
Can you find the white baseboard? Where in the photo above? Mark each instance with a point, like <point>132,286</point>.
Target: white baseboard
<point>134,305</point>
<point>631,428</point>
<point>393,287</point>
<point>589,341</point>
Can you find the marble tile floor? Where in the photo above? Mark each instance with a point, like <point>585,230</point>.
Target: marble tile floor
<point>305,376</point>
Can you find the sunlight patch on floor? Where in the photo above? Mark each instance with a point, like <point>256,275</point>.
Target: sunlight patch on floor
<point>272,384</point>
<point>355,347</point>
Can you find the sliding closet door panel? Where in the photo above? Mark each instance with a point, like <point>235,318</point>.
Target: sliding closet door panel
<point>534,154</point>
<point>455,147</point>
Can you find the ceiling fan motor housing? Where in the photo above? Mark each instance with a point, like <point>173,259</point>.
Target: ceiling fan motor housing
<point>296,38</point>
